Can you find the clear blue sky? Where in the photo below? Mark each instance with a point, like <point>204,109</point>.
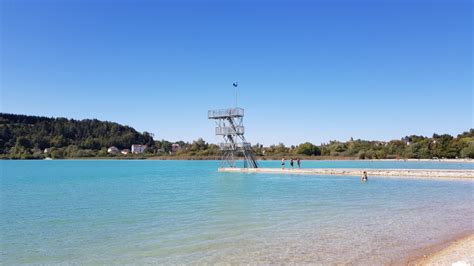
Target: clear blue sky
<point>308,70</point>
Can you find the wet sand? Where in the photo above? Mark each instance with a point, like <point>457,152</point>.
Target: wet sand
<point>459,252</point>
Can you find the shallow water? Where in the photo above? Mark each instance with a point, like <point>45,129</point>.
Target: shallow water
<point>185,211</point>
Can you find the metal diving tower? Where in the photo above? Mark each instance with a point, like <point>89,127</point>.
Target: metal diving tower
<point>230,126</point>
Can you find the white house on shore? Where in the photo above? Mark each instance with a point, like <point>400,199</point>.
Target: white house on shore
<point>138,148</point>
<point>175,147</point>
<point>113,150</point>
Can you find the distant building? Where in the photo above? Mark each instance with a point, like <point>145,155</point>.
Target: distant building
<point>47,150</point>
<point>113,150</point>
<point>138,148</point>
<point>407,140</point>
<point>381,143</point>
<point>125,151</point>
<point>175,147</point>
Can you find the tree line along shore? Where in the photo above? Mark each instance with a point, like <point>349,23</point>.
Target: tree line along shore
<point>35,137</point>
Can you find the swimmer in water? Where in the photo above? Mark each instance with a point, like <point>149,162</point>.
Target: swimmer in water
<point>363,178</point>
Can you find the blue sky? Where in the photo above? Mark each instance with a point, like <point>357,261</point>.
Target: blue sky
<point>307,70</point>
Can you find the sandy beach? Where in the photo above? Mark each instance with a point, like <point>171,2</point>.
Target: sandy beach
<point>459,252</point>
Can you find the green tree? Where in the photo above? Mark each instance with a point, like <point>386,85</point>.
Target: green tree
<point>468,151</point>
<point>307,148</point>
<point>199,145</point>
<point>23,142</point>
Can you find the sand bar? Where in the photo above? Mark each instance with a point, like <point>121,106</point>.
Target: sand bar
<point>407,173</point>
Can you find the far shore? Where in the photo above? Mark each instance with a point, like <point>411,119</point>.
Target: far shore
<point>273,158</point>
<point>318,158</point>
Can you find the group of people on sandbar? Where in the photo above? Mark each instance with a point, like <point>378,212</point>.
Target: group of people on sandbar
<point>363,178</point>
<point>298,162</point>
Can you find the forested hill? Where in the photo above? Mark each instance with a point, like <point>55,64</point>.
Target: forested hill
<point>19,134</point>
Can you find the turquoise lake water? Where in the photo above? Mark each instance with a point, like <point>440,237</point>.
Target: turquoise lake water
<point>116,212</point>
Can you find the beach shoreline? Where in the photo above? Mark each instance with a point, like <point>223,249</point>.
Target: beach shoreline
<point>456,249</point>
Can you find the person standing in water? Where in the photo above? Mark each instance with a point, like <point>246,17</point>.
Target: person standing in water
<point>283,164</point>
<point>291,163</point>
<point>363,178</point>
<point>298,161</point>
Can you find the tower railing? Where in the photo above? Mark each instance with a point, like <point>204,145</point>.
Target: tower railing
<point>223,113</point>
<point>233,146</point>
<point>238,130</point>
